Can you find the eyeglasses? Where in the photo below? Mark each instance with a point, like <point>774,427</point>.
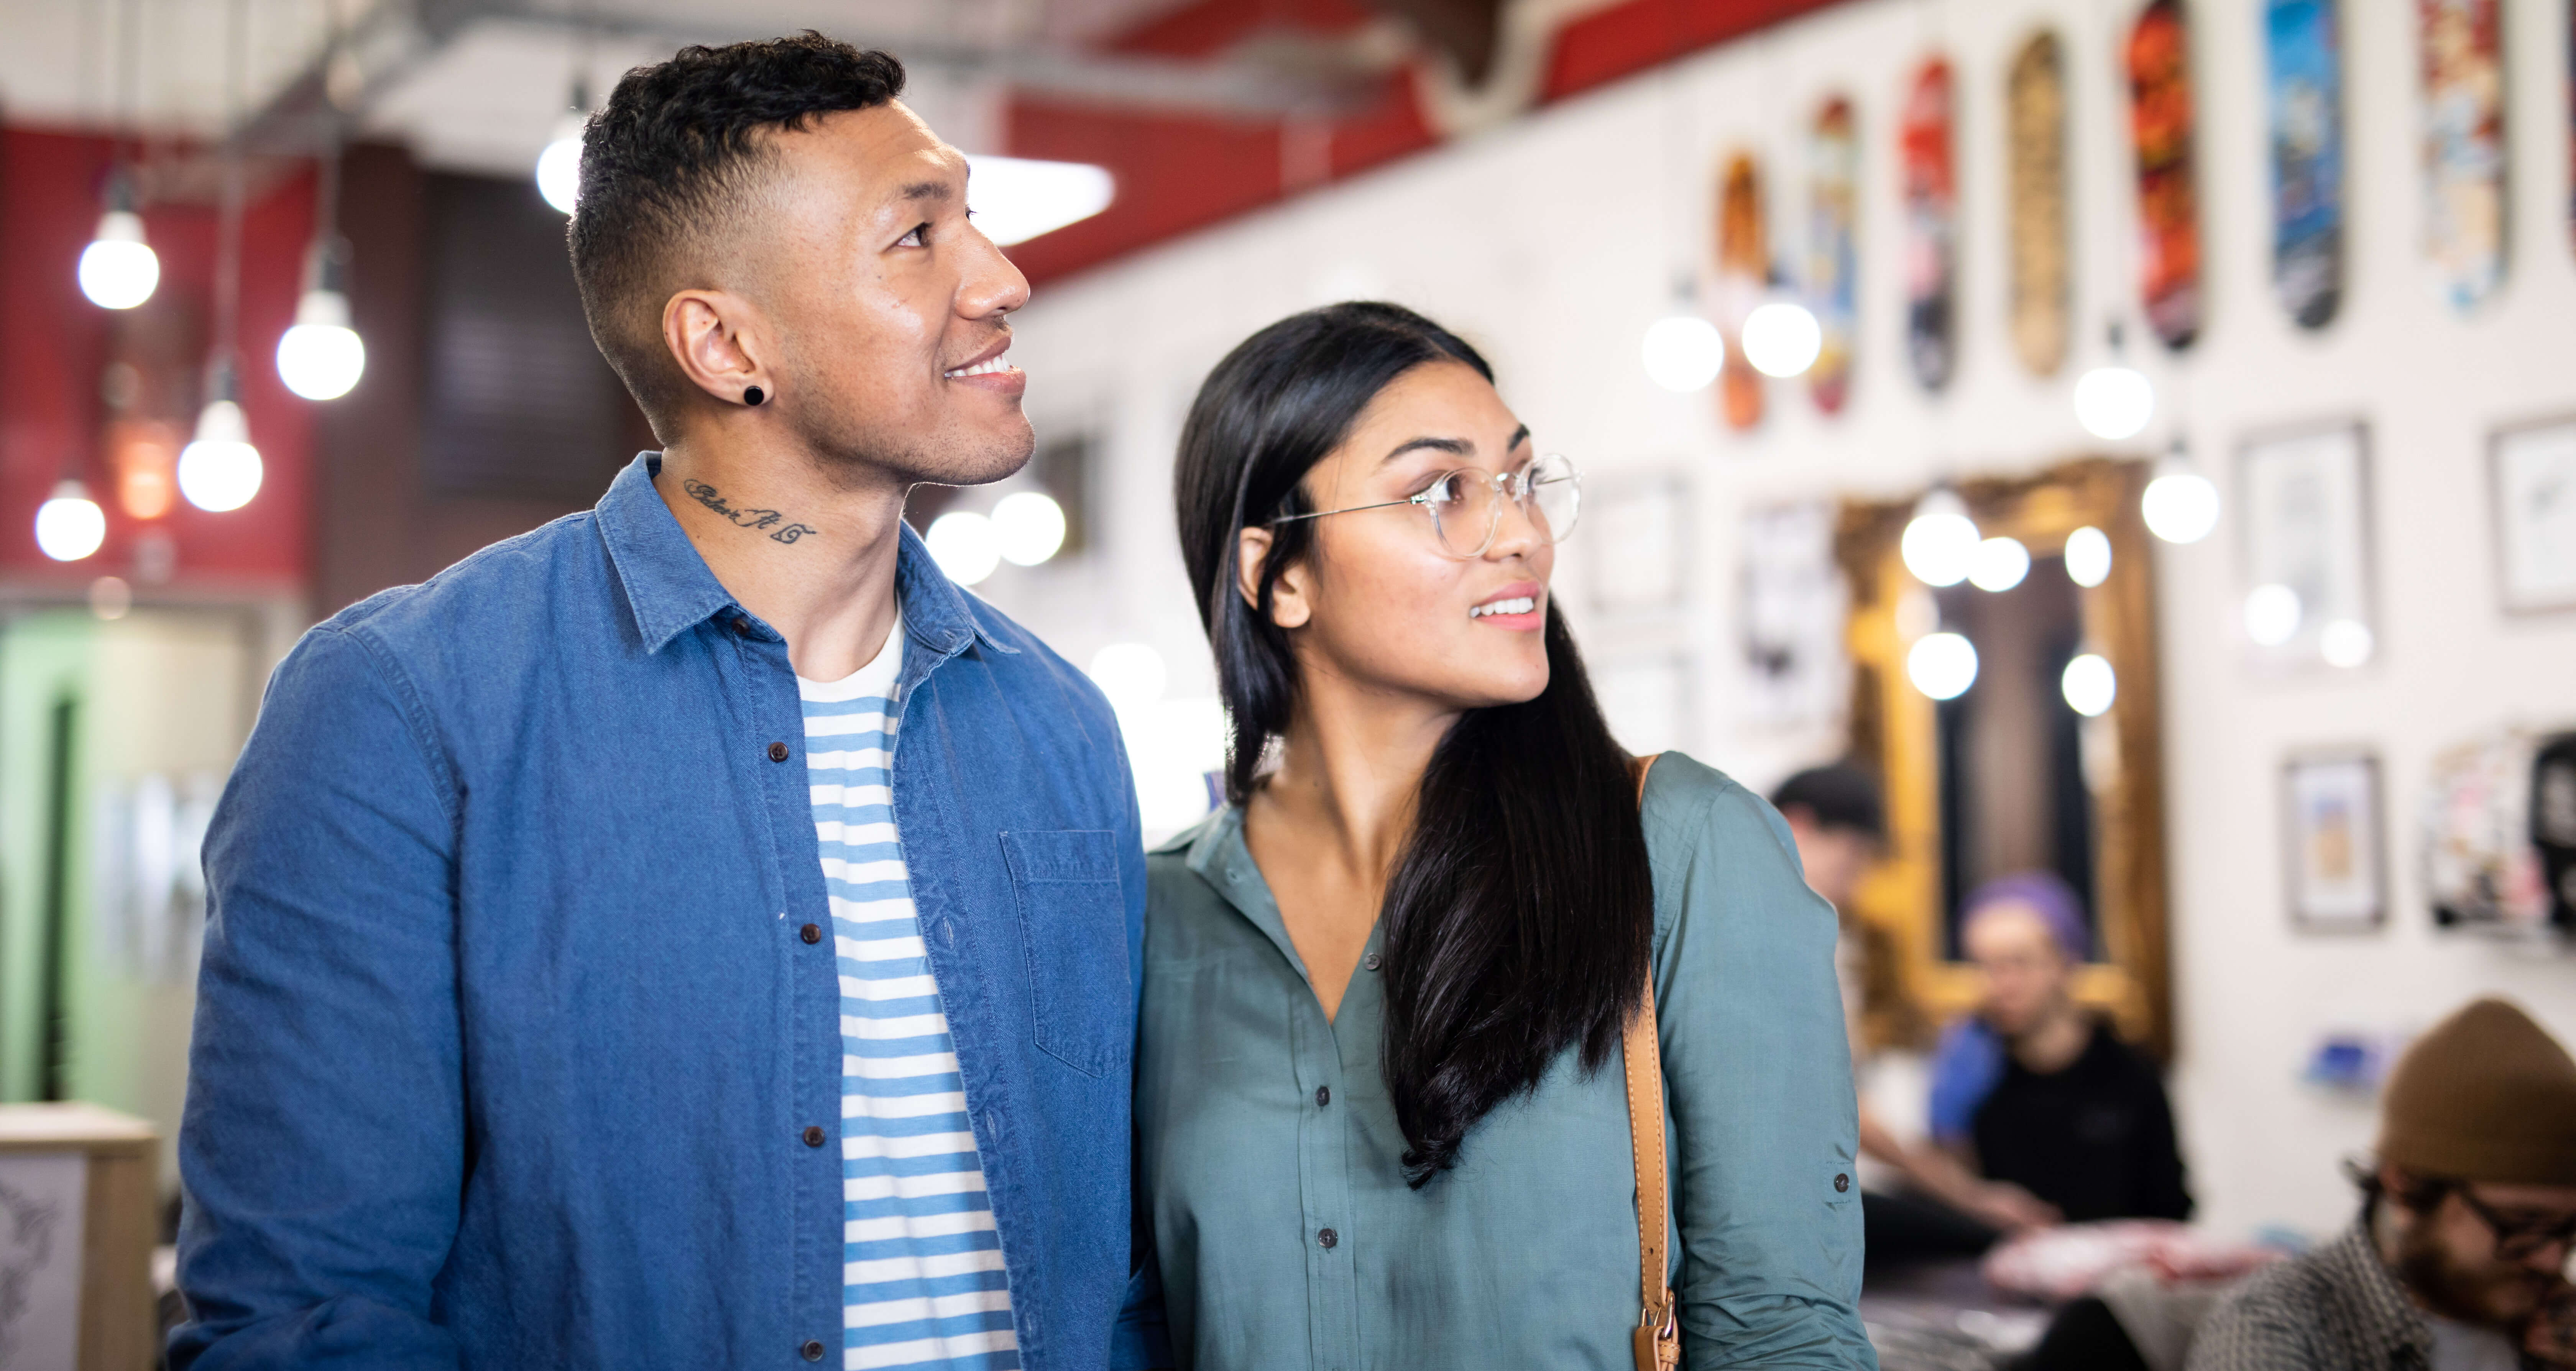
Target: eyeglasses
<point>2518,1238</point>
<point>1466,505</point>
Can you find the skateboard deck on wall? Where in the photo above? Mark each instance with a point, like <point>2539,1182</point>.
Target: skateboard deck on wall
<point>1743,271</point>
<point>1931,187</point>
<point>2159,61</point>
<point>2464,190</point>
<point>2304,83</point>
<point>1833,254</point>
<point>2035,130</point>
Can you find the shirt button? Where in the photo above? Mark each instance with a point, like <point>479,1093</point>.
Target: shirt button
<point>742,626</point>
<point>1323,1096</point>
<point>812,1350</point>
<point>1372,961</point>
<point>1841,1184</point>
<point>813,1135</point>
<point>1328,1238</point>
<point>778,752</point>
<point>811,933</point>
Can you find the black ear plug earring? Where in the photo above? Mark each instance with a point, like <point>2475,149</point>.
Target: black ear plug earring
<point>752,395</point>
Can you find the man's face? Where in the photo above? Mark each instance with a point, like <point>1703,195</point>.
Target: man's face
<point>2452,1259</point>
<point>887,304</point>
<point>1834,856</point>
<point>2024,973</point>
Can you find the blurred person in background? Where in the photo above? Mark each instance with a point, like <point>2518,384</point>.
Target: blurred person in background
<point>2038,1091</point>
<point>2458,1259</point>
<point>1839,819</point>
<point>1382,1114</point>
<point>566,1002</point>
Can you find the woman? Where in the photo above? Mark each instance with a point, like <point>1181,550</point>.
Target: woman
<point>1381,1116</point>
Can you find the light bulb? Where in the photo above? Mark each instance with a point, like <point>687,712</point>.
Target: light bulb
<point>1683,352</point>
<point>219,470</point>
<point>69,524</point>
<point>1942,665</point>
<point>321,357</point>
<point>1941,540</point>
<point>1782,338</point>
<point>962,543</point>
<point>2088,685</point>
<point>1132,675</point>
<point>1028,527</point>
<point>2088,556</point>
<point>2345,642</point>
<point>559,166</point>
<point>2114,403</point>
<point>1998,564</point>
<point>2272,614</point>
<point>2180,505</point>
<point>118,270</point>
<point>1017,198</point>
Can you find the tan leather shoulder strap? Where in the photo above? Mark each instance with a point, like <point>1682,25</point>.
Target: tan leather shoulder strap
<point>1658,1340</point>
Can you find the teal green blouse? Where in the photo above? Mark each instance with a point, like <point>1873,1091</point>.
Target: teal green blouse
<point>1284,1234</point>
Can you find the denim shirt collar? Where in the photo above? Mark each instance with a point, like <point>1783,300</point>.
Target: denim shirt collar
<point>670,590</point>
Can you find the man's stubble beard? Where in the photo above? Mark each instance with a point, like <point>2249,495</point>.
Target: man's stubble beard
<point>2428,1272</point>
<point>853,451</point>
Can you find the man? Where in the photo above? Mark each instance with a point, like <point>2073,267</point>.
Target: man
<point>591,979</point>
<point>1839,821</point>
<point>2457,1262</point>
<point>2038,1089</point>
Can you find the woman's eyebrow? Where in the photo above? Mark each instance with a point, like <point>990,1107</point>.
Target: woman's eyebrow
<point>1455,447</point>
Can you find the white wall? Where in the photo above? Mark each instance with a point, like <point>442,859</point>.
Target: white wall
<point>1552,243</point>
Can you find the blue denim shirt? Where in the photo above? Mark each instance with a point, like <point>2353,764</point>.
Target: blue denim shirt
<point>511,1049</point>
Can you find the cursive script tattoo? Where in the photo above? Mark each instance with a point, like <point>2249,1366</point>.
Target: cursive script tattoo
<point>767,520</point>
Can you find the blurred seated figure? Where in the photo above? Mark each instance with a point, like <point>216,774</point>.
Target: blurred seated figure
<point>2039,1090</point>
<point>1839,820</point>
<point>2457,1261</point>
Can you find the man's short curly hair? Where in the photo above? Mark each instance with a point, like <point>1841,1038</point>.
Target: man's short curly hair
<point>671,158</point>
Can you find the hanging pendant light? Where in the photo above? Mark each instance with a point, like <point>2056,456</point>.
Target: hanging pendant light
<point>2180,505</point>
<point>1683,351</point>
<point>2114,401</point>
<point>1940,542</point>
<point>1781,336</point>
<point>69,524</point>
<point>118,270</point>
<point>559,166</point>
<point>220,470</point>
<point>321,357</point>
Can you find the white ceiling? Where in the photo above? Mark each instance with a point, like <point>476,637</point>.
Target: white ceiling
<point>480,84</point>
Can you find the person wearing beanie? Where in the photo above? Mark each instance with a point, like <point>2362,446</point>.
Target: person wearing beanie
<point>2458,1259</point>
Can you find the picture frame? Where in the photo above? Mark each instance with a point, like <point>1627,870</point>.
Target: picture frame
<point>2334,848</point>
<point>2531,477</point>
<point>2306,583</point>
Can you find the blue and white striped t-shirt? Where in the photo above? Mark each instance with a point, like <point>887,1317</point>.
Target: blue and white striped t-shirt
<point>922,1266</point>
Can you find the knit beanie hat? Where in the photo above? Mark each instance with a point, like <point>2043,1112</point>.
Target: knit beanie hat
<point>2486,1095</point>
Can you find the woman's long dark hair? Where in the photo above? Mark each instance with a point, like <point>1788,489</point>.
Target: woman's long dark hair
<point>1519,918</point>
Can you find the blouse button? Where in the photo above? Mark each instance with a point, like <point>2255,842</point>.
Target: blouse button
<point>1372,961</point>
<point>1328,1238</point>
<point>1841,1184</point>
<point>1323,1096</point>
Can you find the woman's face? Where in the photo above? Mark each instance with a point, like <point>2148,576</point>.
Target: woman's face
<point>1378,600</point>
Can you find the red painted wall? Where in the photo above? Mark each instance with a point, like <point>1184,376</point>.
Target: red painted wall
<point>1178,173</point>
<point>55,346</point>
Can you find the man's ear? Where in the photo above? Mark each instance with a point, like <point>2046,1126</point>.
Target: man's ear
<point>714,338</point>
<point>1289,605</point>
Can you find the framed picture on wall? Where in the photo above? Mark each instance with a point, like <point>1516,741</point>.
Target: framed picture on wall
<point>2334,855</point>
<point>2533,470</point>
<point>2306,593</point>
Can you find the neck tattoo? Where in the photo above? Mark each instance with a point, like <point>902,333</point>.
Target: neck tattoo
<point>770,521</point>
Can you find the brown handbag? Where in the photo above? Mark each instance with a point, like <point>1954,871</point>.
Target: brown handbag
<point>1658,1334</point>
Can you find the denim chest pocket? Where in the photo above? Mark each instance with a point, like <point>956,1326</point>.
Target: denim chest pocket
<point>1073,926</point>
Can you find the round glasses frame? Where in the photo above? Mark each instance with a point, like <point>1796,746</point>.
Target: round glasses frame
<point>1550,478</point>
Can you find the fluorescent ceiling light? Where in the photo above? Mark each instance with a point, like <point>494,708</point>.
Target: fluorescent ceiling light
<point>1015,199</point>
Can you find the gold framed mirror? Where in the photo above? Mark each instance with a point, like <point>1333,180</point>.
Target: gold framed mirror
<point>2010,774</point>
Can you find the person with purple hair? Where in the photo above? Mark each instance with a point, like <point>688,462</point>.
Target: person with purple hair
<point>2038,1090</point>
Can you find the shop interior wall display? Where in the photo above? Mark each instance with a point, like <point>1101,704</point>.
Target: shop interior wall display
<point>1551,244</point>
